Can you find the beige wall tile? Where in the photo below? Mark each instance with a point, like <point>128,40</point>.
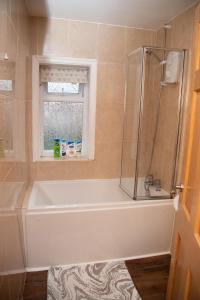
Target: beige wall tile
<point>20,78</point>
<point>8,37</point>
<point>34,35</point>
<point>52,37</point>
<point>3,31</point>
<point>109,124</point>
<point>139,37</point>
<point>159,38</point>
<point>108,160</point>
<point>111,43</point>
<point>82,40</point>
<point>18,12</point>
<point>110,83</point>
<point>184,23</point>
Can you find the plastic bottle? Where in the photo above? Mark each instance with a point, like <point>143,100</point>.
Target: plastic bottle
<point>78,146</point>
<point>63,148</point>
<point>71,151</point>
<point>56,148</point>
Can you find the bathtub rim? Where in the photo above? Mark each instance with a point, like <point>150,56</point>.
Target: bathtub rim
<point>87,206</point>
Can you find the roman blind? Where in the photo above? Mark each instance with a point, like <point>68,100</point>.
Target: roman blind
<point>60,73</point>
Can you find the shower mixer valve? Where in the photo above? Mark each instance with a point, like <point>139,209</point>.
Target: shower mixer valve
<point>150,181</point>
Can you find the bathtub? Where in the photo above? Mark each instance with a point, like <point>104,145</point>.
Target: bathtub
<point>78,221</point>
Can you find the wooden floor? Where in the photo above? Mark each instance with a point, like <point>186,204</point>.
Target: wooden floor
<point>149,275</point>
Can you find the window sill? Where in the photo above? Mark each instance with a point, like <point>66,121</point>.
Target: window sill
<point>66,159</point>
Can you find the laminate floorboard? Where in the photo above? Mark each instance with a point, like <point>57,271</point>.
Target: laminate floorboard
<point>150,276</point>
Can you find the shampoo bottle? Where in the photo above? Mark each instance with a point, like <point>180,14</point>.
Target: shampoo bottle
<point>56,148</point>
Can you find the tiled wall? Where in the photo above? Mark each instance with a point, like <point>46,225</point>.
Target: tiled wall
<point>109,45</point>
<point>175,38</point>
<point>179,36</point>
<point>14,40</point>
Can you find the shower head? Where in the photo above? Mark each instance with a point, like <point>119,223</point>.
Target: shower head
<point>150,52</point>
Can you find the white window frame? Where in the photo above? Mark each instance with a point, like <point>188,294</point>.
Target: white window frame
<point>88,127</point>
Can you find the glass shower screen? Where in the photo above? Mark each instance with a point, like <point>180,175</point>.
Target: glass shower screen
<point>154,99</point>
<point>131,121</point>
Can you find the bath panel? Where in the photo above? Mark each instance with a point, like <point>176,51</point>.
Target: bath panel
<point>94,231</point>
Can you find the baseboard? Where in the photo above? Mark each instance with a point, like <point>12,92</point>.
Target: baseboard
<point>13,272</point>
<point>45,268</point>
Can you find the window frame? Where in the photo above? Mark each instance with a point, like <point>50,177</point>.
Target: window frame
<point>89,115</point>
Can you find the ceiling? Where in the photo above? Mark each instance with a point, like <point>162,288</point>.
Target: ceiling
<point>135,13</point>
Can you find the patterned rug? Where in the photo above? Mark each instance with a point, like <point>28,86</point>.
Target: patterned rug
<point>100,281</point>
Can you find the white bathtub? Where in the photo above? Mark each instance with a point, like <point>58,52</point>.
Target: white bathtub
<point>92,220</point>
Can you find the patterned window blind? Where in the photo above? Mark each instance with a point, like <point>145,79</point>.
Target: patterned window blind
<point>60,73</point>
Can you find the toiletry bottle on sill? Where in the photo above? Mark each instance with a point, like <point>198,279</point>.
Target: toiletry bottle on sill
<point>78,147</point>
<point>63,148</point>
<point>71,151</point>
<point>56,148</point>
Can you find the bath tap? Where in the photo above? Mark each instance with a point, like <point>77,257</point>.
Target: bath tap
<point>148,181</point>
<point>157,184</point>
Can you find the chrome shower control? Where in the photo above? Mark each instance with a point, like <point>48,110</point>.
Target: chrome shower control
<point>180,187</point>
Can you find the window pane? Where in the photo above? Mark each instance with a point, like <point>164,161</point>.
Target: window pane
<point>62,120</point>
<point>6,85</point>
<point>63,87</point>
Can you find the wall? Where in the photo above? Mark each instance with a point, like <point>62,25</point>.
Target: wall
<point>14,40</point>
<point>109,45</point>
<point>179,36</point>
<point>175,38</point>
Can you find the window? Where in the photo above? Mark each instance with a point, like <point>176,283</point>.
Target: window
<point>64,104</point>
<point>63,88</point>
<point>6,85</point>
<point>7,77</point>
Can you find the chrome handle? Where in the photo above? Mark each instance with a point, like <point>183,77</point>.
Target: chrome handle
<point>180,187</point>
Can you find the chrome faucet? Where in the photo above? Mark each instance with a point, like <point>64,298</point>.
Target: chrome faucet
<point>149,181</point>
<point>157,184</point>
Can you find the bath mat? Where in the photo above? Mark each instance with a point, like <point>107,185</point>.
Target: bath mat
<point>100,281</point>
